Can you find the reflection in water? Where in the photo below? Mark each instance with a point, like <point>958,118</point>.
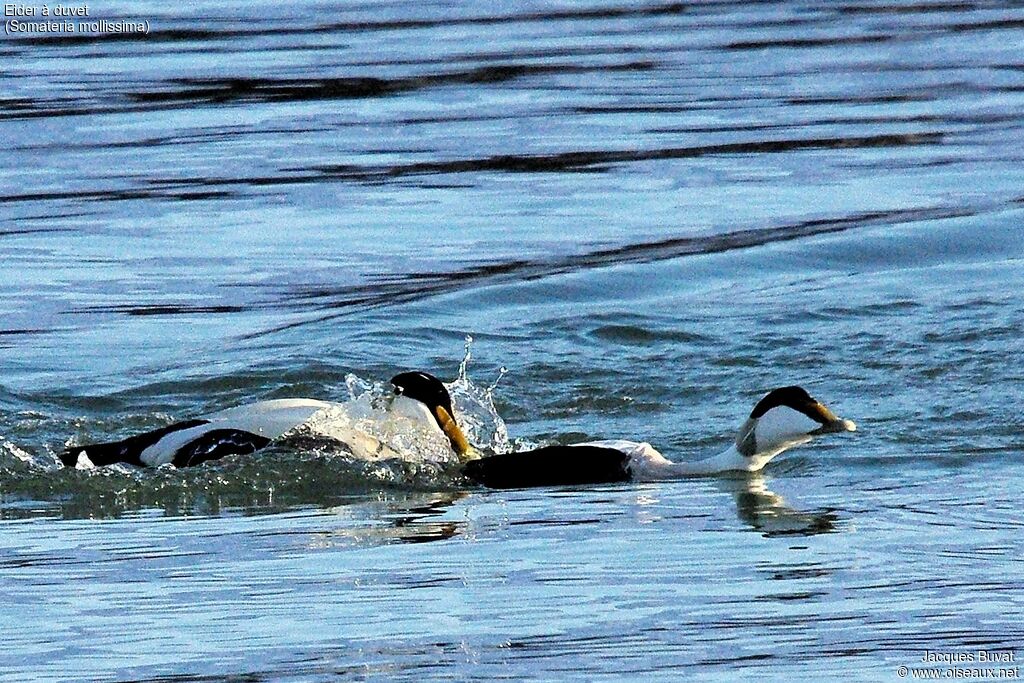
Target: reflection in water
<point>418,527</point>
<point>405,518</point>
<point>278,481</point>
<point>769,513</point>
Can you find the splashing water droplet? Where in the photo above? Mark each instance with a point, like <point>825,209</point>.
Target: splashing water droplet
<point>466,357</point>
<point>502,371</point>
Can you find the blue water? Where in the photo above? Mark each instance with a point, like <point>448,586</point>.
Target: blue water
<point>648,214</point>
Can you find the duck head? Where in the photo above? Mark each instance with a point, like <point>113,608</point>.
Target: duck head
<point>422,397</point>
<point>786,417</point>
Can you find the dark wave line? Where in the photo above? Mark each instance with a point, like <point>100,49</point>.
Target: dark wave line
<point>161,309</point>
<point>209,136</point>
<point>406,288</point>
<point>34,109</point>
<point>409,287</point>
<point>889,119</point>
<point>28,231</point>
<point>823,41</point>
<point>25,331</point>
<point>220,91</point>
<point>869,39</point>
<point>908,8</point>
<point>576,161</point>
<point>119,195</point>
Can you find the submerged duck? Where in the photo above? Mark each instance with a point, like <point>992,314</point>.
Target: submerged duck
<point>783,418</point>
<point>247,428</point>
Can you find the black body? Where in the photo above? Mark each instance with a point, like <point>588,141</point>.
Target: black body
<point>550,466</point>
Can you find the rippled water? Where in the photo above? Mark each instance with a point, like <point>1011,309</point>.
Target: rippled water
<point>648,213</point>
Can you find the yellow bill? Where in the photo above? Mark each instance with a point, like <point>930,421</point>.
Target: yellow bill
<point>459,442</point>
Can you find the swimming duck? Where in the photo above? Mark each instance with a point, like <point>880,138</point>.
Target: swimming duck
<point>248,428</point>
<point>784,418</point>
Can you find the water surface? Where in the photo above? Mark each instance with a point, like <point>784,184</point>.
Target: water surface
<point>649,214</point>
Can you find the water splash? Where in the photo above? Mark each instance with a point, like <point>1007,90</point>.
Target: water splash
<point>475,409</point>
<point>502,371</point>
<point>356,447</point>
<point>467,355</point>
<point>365,428</point>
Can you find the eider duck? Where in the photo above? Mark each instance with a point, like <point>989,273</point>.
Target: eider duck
<point>248,428</point>
<point>784,418</point>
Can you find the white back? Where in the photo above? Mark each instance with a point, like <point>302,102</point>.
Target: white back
<point>269,419</point>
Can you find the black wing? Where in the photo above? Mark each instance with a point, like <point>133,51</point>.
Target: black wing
<point>550,466</point>
<point>216,444</point>
<point>211,445</point>
<point>127,450</point>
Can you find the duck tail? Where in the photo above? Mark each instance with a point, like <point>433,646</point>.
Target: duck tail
<point>98,454</point>
<point>69,456</point>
